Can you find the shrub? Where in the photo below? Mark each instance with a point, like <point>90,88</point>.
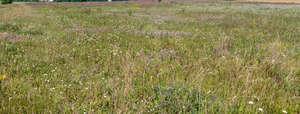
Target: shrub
<point>6,1</point>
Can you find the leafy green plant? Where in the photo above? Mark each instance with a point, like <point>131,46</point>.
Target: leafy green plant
<point>129,12</point>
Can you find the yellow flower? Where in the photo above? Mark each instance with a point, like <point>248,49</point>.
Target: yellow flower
<point>2,77</point>
<point>135,70</point>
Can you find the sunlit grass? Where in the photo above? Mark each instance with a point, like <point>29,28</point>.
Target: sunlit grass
<point>150,58</point>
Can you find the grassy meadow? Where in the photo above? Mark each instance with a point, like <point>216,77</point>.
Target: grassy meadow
<point>169,57</point>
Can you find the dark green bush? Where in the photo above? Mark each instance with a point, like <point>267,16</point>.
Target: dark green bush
<point>6,1</point>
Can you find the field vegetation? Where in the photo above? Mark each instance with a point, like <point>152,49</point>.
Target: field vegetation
<point>277,1</point>
<point>149,57</point>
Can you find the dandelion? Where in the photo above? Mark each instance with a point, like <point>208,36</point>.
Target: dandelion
<point>260,109</point>
<point>284,111</point>
<point>250,102</point>
<point>2,77</point>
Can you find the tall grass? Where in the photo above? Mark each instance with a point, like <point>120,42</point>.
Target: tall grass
<point>207,58</point>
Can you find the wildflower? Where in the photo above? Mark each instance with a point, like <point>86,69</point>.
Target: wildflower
<point>260,109</point>
<point>284,111</point>
<point>250,102</point>
<point>104,96</point>
<point>273,61</point>
<point>135,70</point>
<point>2,77</point>
<point>86,88</point>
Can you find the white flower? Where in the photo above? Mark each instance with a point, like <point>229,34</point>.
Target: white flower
<point>86,88</point>
<point>250,102</point>
<point>273,61</point>
<point>284,111</point>
<point>260,109</point>
<point>104,96</point>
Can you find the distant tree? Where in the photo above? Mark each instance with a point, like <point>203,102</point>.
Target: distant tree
<point>6,1</point>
